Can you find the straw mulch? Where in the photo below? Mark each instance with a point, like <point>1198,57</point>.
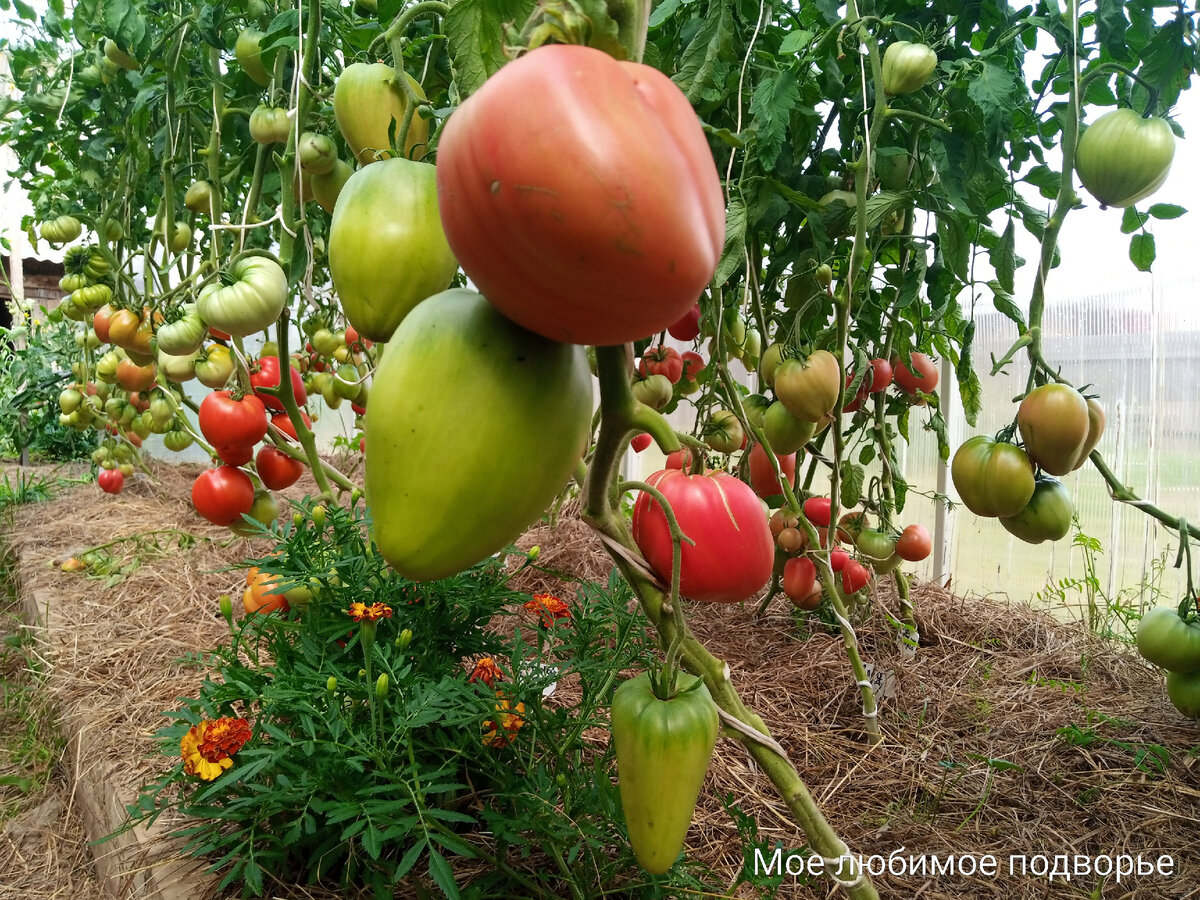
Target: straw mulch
<point>1009,733</point>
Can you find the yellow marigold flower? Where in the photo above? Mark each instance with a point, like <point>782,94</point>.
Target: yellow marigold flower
<point>501,734</point>
<point>207,748</point>
<point>550,608</point>
<point>486,671</point>
<point>362,612</point>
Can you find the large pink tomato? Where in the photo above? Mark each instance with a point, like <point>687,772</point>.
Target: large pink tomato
<point>580,195</point>
<point>734,551</point>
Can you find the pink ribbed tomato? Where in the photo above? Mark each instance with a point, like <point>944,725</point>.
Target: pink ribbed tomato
<point>580,195</point>
<point>733,551</point>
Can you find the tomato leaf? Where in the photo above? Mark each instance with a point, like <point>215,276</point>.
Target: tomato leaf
<point>124,23</point>
<point>1142,251</point>
<point>733,257</point>
<point>852,483</point>
<point>282,31</point>
<point>1004,303</point>
<point>1111,26</point>
<point>795,41</point>
<point>1166,211</point>
<point>1003,257</point>
<point>969,388</point>
<point>937,424</point>
<point>1132,220</point>
<point>475,35</point>
<point>708,59</point>
<point>663,11</point>
<point>771,107</point>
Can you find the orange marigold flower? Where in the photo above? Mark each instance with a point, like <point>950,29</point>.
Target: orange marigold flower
<point>550,608</point>
<point>362,612</point>
<point>486,671</point>
<point>206,748</point>
<point>502,733</point>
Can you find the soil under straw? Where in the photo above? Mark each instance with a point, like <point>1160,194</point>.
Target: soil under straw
<point>977,758</point>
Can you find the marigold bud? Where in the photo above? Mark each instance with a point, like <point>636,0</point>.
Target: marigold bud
<point>381,686</point>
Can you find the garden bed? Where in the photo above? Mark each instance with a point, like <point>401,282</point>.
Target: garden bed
<point>1008,734</point>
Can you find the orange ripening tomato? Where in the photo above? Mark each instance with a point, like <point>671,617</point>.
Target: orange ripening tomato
<point>258,596</point>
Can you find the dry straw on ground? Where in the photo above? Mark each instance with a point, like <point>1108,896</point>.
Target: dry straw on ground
<point>1008,733</point>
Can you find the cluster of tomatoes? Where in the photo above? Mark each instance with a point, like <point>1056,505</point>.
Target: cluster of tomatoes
<point>996,478</point>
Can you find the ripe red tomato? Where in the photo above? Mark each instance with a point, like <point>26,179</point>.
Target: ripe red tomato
<point>838,558</point>
<point>914,543</point>
<point>924,378</point>
<point>640,442</point>
<point>679,459</point>
<point>662,361</point>
<point>226,421</point>
<point>111,481</point>
<point>816,510</point>
<point>604,259</point>
<point>688,327</point>
<point>283,422</point>
<point>762,475</point>
<point>235,454</point>
<point>800,581</point>
<point>880,376</point>
<point>276,469</point>
<point>223,494</point>
<point>693,364</point>
<point>855,576</point>
<point>266,374</point>
<point>733,552</point>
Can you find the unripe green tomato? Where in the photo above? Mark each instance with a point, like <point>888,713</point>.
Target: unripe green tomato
<point>655,391</point>
<point>199,197</point>
<point>771,358</point>
<point>325,342</point>
<point>317,153</point>
<point>126,469</point>
<point>249,55</point>
<point>328,187</point>
<point>69,400</point>
<point>264,510</point>
<point>346,381</point>
<point>119,57</point>
<point>1183,690</point>
<point>1123,158</point>
<point>181,237</point>
<point>756,406</point>
<point>663,748</point>
<point>724,432</point>
<point>907,67</point>
<point>270,125</point>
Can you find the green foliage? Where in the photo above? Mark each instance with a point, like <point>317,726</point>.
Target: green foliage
<point>346,784</point>
<point>34,369</point>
